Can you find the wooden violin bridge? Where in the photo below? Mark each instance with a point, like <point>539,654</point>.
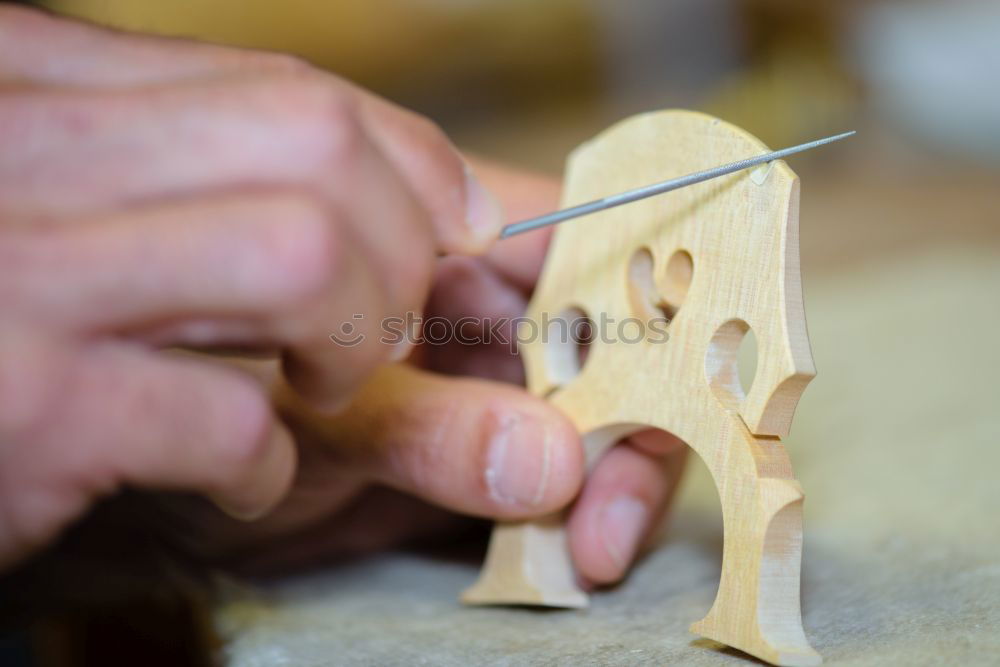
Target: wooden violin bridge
<point>689,274</point>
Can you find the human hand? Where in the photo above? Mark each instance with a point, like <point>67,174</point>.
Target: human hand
<point>138,222</point>
<point>443,438</point>
<point>162,193</point>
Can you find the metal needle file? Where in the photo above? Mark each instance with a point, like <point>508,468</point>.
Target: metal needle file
<point>660,188</point>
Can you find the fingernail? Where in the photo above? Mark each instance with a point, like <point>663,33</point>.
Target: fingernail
<point>483,212</point>
<point>622,524</point>
<point>518,461</point>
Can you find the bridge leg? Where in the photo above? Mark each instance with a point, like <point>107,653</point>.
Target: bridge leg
<point>757,607</point>
<point>528,563</point>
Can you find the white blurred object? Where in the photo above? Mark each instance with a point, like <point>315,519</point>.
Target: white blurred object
<point>934,69</point>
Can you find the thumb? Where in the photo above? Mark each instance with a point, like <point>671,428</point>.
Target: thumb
<point>469,445</point>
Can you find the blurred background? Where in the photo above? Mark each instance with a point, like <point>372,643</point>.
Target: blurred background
<point>501,75</point>
<point>896,441</point>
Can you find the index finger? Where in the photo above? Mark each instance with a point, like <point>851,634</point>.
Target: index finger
<point>523,194</point>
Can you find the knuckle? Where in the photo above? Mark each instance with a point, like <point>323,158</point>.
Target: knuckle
<point>443,172</point>
<point>250,423</point>
<point>429,132</point>
<point>305,254</point>
<point>341,138</point>
<point>327,117</point>
<point>437,148</point>
<point>285,63</point>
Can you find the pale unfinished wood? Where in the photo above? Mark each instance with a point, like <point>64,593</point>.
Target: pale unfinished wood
<point>718,258</point>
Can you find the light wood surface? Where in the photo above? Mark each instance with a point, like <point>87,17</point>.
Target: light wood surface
<point>717,259</point>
